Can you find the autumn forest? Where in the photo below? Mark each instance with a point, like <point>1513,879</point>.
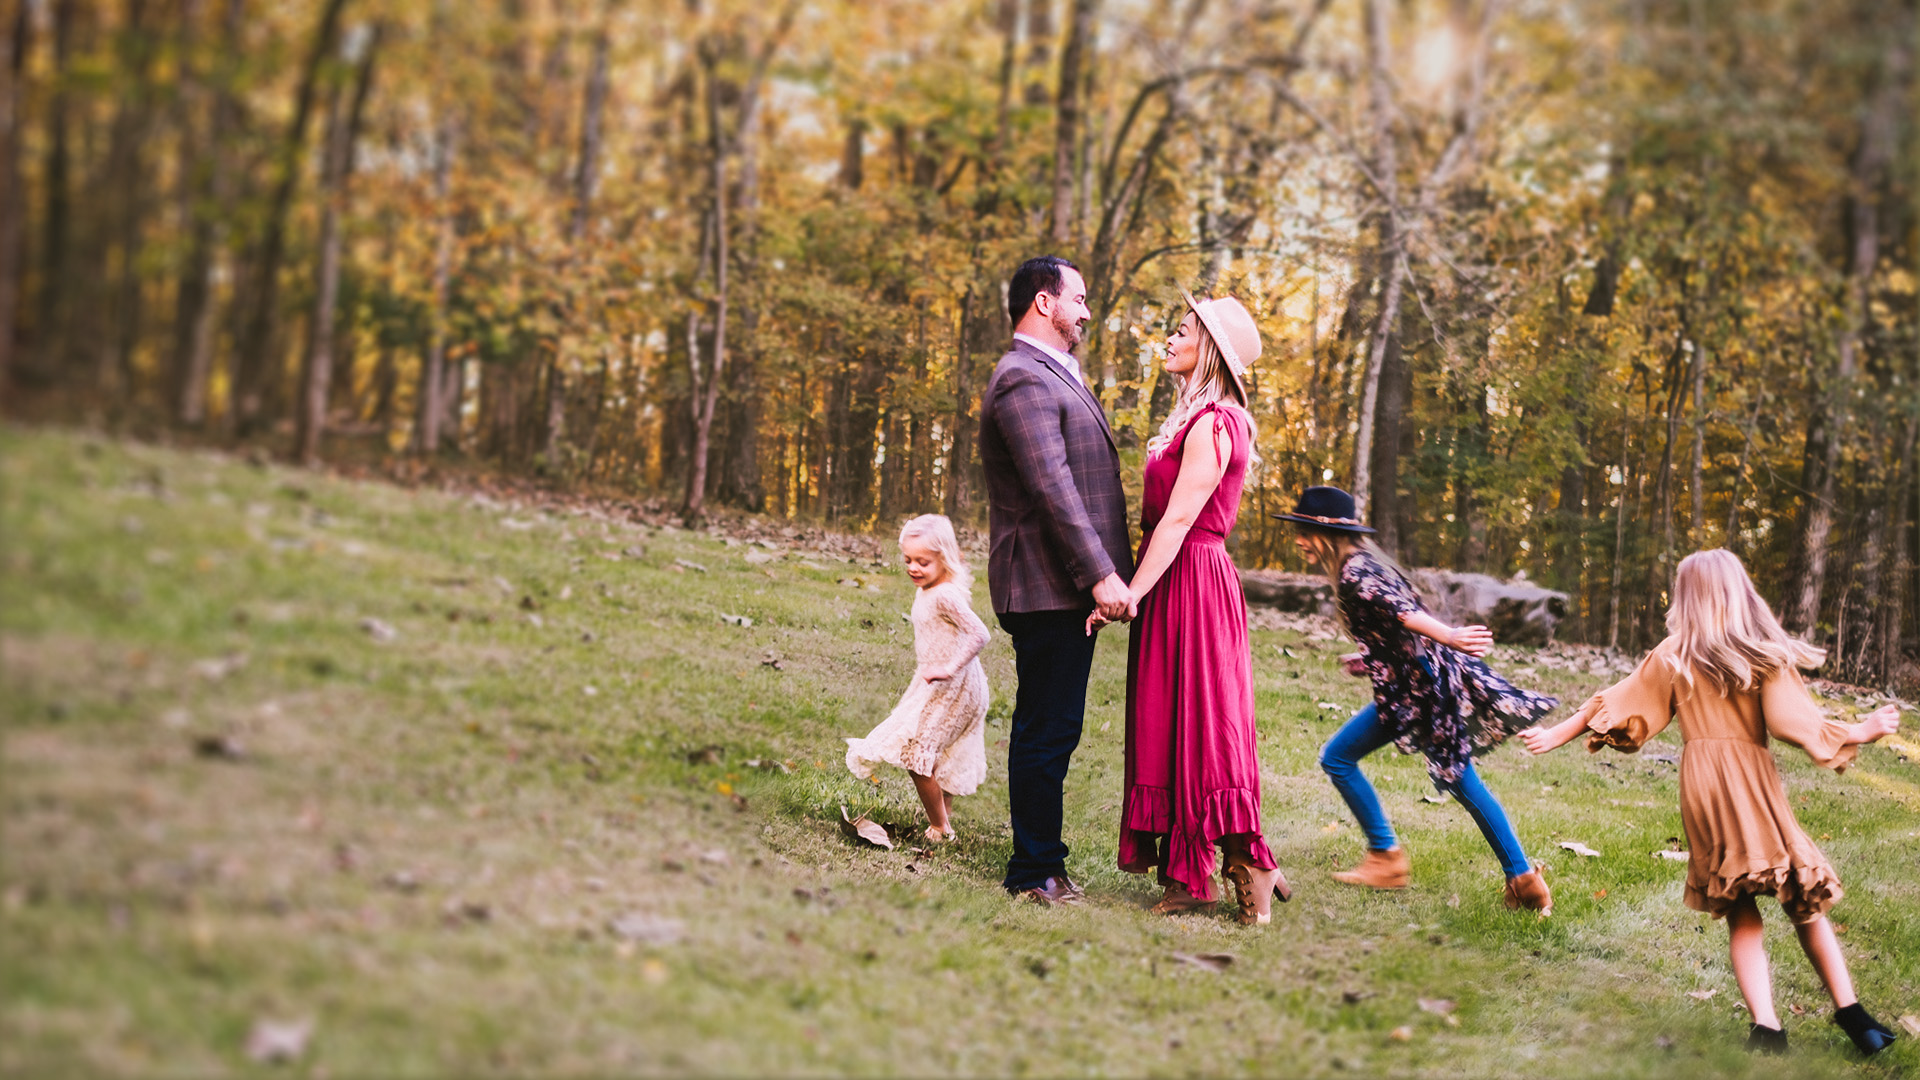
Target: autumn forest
<point>1566,288</point>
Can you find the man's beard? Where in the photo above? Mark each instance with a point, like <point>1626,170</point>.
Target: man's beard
<point>1068,329</point>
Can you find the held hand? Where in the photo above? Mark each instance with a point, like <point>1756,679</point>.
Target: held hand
<point>1094,622</point>
<point>1538,740</point>
<point>1472,640</point>
<point>1114,600</point>
<point>1878,724</point>
<point>1355,664</point>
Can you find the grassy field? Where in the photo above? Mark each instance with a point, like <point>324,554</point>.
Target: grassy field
<point>459,787</point>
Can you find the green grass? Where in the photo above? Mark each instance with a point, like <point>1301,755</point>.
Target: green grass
<point>424,841</point>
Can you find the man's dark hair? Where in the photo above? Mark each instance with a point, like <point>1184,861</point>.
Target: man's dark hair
<point>1034,277</point>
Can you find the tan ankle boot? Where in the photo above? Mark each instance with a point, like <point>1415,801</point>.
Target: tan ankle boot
<point>1387,869</point>
<point>1529,890</point>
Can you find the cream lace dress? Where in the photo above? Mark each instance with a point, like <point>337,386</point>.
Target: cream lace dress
<point>937,728</point>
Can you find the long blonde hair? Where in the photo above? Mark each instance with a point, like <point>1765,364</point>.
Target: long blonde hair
<point>936,532</point>
<point>1726,631</point>
<point>1326,545</point>
<point>1210,381</point>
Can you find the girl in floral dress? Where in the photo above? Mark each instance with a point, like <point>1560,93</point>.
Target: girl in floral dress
<point>1431,694</point>
<point>936,732</point>
<point>1727,669</point>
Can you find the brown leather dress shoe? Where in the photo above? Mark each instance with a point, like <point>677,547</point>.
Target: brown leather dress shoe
<point>1529,890</point>
<point>1387,869</point>
<point>1057,892</point>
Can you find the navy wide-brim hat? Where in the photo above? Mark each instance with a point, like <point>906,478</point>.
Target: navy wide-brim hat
<point>1326,508</point>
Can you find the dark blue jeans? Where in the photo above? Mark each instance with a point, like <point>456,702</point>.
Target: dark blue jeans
<point>1052,656</point>
<point>1364,734</point>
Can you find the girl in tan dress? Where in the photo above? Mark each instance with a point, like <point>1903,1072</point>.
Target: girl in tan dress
<point>1728,670</point>
<point>936,732</point>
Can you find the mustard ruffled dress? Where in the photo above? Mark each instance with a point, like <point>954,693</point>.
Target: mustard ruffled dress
<point>1742,837</point>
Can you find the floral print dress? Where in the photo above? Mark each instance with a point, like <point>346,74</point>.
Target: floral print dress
<point>1433,699</point>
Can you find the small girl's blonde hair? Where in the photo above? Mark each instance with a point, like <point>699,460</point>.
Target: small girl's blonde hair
<point>936,532</point>
<point>1727,632</point>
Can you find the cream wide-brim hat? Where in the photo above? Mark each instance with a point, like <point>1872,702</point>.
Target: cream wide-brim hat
<point>1230,325</point>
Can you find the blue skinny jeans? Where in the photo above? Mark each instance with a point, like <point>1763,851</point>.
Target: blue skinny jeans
<point>1364,734</point>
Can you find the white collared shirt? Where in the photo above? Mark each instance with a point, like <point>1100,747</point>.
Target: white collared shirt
<point>1065,360</point>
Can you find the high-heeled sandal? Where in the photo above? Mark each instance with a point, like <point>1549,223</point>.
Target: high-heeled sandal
<point>1177,899</point>
<point>1255,889</point>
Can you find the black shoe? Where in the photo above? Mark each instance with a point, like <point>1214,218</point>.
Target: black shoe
<point>1766,1040</point>
<point>1867,1033</point>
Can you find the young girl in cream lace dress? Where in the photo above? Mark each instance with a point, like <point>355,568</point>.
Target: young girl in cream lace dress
<point>1727,670</point>
<point>936,732</point>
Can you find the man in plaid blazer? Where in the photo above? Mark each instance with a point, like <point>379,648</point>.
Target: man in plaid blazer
<point>1059,549</point>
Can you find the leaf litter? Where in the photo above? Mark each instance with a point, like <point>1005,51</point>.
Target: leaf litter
<point>1204,961</point>
<point>861,828</point>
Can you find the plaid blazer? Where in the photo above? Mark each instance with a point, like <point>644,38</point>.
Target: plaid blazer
<point>1056,514</point>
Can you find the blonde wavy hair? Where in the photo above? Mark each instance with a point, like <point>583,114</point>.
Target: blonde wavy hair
<point>936,532</point>
<point>1331,550</point>
<point>1209,382</point>
<point>1726,632</point>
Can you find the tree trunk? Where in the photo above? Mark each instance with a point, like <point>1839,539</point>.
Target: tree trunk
<point>343,127</point>
<point>1619,537</point>
<point>1067,116</point>
<point>12,205</point>
<point>1396,395</point>
<point>706,385</point>
<point>749,490</point>
<point>254,362</point>
<point>207,215</point>
<point>44,362</point>
<point>959,500</point>
<point>432,404</point>
<point>1827,419</point>
<point>586,178</point>
<point>1386,170</point>
<point>1892,599</point>
<point>111,324</point>
<point>1696,483</point>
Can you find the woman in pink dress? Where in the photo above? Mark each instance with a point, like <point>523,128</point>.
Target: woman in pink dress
<point>1193,775</point>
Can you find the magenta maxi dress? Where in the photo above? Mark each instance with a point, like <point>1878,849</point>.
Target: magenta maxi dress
<point>1193,773</point>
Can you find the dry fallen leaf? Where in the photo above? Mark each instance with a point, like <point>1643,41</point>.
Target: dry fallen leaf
<point>646,929</point>
<point>735,620</point>
<point>273,1041</point>
<point>1403,1033</point>
<point>1701,995</point>
<point>1204,961</point>
<point>862,829</point>
<point>1355,997</point>
<point>1912,1024</point>
<point>1436,1006</point>
<point>225,747</point>
<point>215,669</point>
<point>1676,856</point>
<point>1579,848</point>
<point>378,630</point>
<point>687,565</point>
